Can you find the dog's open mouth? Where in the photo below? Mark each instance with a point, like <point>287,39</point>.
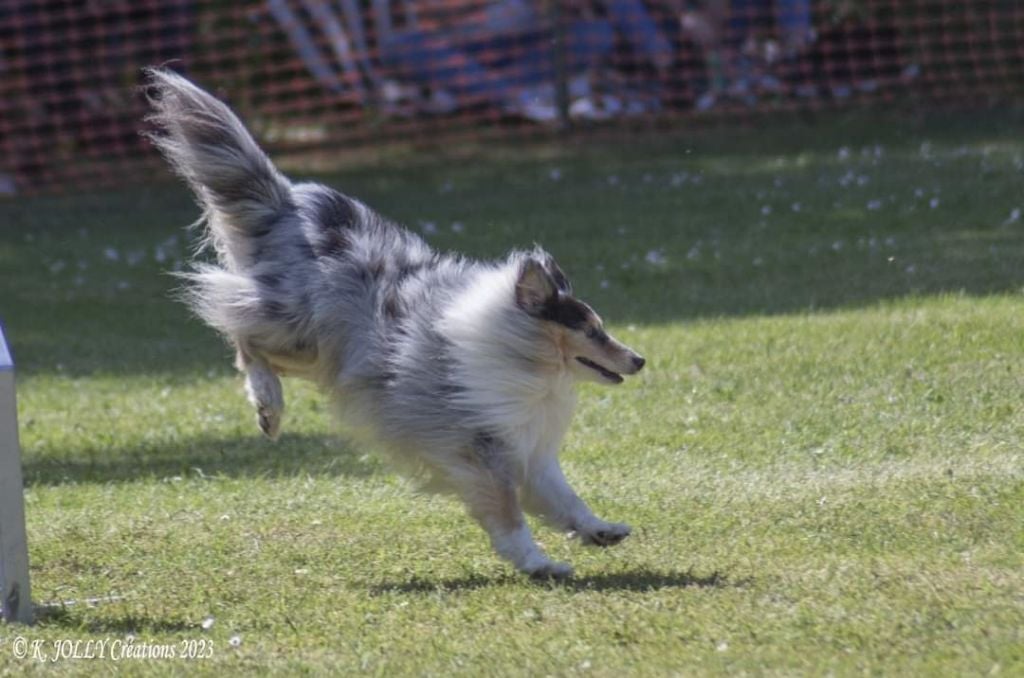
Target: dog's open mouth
<point>613,377</point>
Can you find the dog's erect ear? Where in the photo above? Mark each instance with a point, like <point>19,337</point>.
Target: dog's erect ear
<point>561,282</point>
<point>535,286</point>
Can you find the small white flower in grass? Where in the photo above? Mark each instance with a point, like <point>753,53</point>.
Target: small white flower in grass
<point>555,174</point>
<point>111,254</point>
<point>613,180</point>
<point>863,180</point>
<point>604,284</point>
<point>301,571</point>
<point>655,258</point>
<point>844,153</point>
<point>207,623</point>
<point>123,285</point>
<point>58,266</point>
<point>837,246</point>
<point>758,262</point>
<point>722,646</point>
<point>766,210</point>
<point>890,241</point>
<point>911,270</point>
<point>428,227</point>
<point>225,517</point>
<point>918,192</point>
<point>874,204</point>
<point>796,207</point>
<point>1013,218</point>
<point>678,179</point>
<point>693,253</point>
<point>235,641</point>
<point>933,203</point>
<point>458,227</point>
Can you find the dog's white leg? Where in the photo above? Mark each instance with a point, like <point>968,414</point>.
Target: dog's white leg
<point>263,389</point>
<point>546,493</point>
<point>490,497</point>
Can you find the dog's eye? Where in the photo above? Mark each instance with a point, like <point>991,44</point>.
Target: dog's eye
<point>592,333</point>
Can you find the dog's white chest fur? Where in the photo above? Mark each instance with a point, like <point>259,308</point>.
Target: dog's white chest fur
<point>528,400</point>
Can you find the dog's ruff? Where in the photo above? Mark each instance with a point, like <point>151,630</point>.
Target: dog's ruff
<point>463,369</point>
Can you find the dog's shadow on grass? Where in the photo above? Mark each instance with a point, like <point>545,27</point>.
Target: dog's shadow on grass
<point>638,580</point>
<point>67,617</point>
<point>212,457</point>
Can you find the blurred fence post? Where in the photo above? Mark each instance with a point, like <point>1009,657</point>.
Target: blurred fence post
<point>559,46</point>
<point>15,596</point>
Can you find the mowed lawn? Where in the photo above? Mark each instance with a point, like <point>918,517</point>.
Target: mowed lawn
<point>822,462</point>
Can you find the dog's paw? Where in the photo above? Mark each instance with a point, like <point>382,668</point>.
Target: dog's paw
<point>551,571</point>
<point>269,421</point>
<point>604,534</point>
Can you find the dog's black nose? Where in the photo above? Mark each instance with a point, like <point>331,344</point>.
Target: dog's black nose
<point>639,363</point>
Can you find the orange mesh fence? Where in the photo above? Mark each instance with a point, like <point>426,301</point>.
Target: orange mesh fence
<point>331,75</point>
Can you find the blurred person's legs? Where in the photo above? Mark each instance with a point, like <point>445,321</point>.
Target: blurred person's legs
<point>631,20</point>
<point>516,73</point>
<point>431,61</point>
<point>793,18</point>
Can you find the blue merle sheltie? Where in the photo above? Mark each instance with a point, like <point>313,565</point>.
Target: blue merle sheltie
<point>464,370</point>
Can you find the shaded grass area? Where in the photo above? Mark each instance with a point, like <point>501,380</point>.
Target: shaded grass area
<point>822,462</point>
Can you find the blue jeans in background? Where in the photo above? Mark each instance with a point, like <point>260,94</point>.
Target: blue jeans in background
<point>495,69</point>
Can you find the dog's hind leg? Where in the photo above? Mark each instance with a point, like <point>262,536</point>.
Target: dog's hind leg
<point>546,493</point>
<point>263,389</point>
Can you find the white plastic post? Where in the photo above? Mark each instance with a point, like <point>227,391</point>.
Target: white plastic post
<point>15,595</point>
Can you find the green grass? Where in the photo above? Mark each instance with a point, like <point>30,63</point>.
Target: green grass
<point>822,463</point>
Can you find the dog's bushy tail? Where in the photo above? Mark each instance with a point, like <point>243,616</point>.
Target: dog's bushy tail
<point>234,180</point>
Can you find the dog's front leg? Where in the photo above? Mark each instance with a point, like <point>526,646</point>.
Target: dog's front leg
<point>489,492</point>
<point>547,494</point>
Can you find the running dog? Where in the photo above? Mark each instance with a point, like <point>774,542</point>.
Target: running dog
<point>464,370</point>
